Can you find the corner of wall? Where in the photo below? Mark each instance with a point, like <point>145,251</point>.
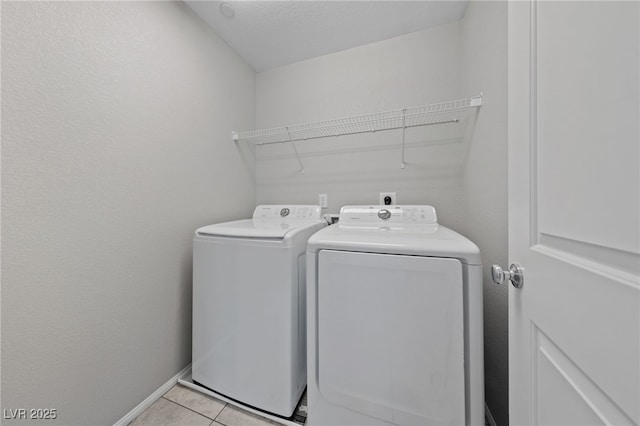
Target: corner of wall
<point>484,45</point>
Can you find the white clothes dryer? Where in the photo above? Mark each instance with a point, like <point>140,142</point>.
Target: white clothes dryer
<point>394,312</point>
<point>249,321</point>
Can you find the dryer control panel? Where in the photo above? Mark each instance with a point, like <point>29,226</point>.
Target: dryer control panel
<point>379,214</point>
<point>288,212</point>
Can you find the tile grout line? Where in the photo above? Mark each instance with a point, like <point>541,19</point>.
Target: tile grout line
<point>217,415</point>
<point>241,412</point>
<point>226,404</point>
<point>197,412</point>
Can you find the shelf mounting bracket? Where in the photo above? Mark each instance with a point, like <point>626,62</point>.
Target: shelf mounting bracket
<point>404,122</point>
<point>296,151</point>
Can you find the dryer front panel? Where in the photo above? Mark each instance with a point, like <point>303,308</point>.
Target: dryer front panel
<point>391,336</point>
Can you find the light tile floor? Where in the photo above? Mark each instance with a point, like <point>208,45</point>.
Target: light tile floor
<point>182,406</point>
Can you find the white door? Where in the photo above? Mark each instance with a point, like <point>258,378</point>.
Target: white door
<point>573,212</point>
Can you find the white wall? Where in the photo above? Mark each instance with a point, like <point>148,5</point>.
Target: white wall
<point>414,69</point>
<point>484,56</point>
<point>116,119</point>
<point>466,180</point>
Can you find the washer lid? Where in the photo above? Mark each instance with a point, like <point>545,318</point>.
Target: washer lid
<point>269,222</point>
<point>411,230</point>
<point>254,228</point>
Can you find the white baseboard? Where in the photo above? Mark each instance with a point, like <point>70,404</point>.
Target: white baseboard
<point>139,409</point>
<point>488,416</point>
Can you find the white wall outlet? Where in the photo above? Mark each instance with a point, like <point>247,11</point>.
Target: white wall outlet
<point>388,199</point>
<point>323,200</point>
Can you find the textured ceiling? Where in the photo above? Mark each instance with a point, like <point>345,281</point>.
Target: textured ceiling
<point>268,34</point>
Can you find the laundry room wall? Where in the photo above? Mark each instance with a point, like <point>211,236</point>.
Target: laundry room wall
<point>414,69</point>
<point>484,69</point>
<point>116,119</point>
<point>464,178</point>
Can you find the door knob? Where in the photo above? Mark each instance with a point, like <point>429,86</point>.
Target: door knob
<point>514,274</point>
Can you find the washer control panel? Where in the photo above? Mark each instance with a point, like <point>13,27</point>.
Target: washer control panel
<point>388,214</point>
<point>295,212</point>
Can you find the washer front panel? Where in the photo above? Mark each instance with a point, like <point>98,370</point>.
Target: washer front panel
<point>247,341</point>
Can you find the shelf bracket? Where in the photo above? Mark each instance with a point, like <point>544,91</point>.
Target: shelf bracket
<point>404,119</point>
<point>296,151</point>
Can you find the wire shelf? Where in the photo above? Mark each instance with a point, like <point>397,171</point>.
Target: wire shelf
<point>424,115</point>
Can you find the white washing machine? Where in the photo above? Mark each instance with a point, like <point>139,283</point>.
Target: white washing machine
<point>249,321</point>
<point>394,312</point>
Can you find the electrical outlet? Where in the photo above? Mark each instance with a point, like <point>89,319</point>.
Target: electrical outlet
<point>388,199</point>
<point>323,200</point>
